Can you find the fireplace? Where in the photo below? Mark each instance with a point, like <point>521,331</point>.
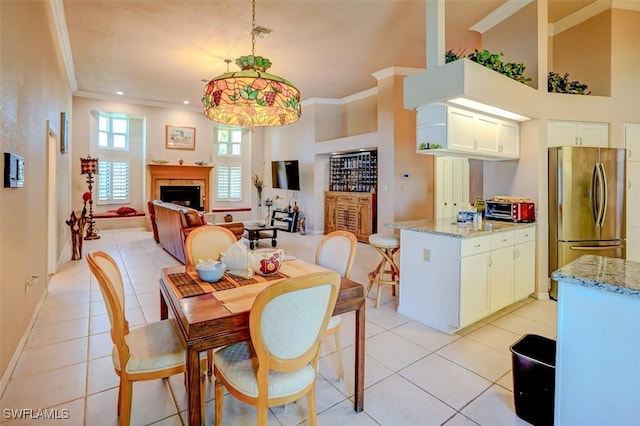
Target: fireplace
<point>176,175</point>
<point>188,196</point>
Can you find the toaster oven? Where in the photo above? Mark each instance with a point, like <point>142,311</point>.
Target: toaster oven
<point>510,211</point>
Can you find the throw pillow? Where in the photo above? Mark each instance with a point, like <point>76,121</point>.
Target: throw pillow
<point>123,211</point>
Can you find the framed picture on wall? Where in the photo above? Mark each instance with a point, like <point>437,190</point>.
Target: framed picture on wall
<point>64,133</point>
<point>180,137</point>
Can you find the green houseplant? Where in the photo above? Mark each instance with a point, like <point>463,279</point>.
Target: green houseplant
<point>492,61</point>
<point>557,83</point>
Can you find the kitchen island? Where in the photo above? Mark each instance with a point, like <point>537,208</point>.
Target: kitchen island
<point>598,345</point>
<point>453,275</point>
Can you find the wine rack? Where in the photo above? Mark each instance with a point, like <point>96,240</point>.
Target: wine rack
<point>354,172</point>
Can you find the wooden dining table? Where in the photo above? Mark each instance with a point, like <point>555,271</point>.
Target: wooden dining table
<point>207,322</point>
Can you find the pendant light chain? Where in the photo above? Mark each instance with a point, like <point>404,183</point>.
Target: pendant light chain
<point>253,27</point>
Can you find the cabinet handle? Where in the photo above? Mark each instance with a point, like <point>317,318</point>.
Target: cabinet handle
<point>475,144</point>
<point>628,153</point>
<point>490,261</point>
<point>628,184</point>
<point>478,245</point>
<point>504,240</point>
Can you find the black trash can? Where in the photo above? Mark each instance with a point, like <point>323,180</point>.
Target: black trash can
<point>534,378</point>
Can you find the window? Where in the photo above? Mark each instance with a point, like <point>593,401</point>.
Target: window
<point>113,132</point>
<point>113,163</point>
<point>229,141</point>
<point>113,181</point>
<point>229,179</point>
<point>229,183</point>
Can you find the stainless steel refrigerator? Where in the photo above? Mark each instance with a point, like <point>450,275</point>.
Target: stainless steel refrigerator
<point>586,205</point>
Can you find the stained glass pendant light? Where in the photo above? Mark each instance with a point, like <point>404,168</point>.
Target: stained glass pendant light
<point>251,97</point>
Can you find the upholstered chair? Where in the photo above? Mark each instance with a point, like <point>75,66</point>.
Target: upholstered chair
<point>149,352</point>
<point>336,251</point>
<point>207,242</point>
<point>279,364</point>
<point>203,243</point>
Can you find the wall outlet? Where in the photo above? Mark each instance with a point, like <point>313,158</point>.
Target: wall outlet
<point>426,255</point>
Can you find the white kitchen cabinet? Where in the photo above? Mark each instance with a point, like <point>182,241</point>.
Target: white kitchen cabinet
<point>460,131</point>
<point>632,144</point>
<point>449,283</point>
<point>452,186</point>
<point>474,288</point>
<point>501,268</point>
<point>509,139</point>
<point>577,133</point>
<point>466,133</point>
<point>524,270</point>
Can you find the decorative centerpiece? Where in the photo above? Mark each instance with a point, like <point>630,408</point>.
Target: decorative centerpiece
<point>258,182</point>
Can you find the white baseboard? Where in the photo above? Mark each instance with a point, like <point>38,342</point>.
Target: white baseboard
<point>4,381</point>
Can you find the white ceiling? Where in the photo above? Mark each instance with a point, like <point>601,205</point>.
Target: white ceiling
<point>159,51</point>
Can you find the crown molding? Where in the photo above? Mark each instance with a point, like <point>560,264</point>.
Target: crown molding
<point>340,101</point>
<point>499,15</point>
<point>134,101</point>
<point>62,32</point>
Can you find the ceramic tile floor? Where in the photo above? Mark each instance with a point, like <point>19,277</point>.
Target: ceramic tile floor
<point>414,375</point>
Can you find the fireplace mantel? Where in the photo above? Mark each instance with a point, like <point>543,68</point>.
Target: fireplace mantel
<point>177,172</point>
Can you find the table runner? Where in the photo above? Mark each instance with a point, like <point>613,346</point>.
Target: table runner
<point>189,284</point>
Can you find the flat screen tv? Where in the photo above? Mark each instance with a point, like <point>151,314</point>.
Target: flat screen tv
<point>285,175</point>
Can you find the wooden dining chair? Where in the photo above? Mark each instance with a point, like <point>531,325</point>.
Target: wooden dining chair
<point>149,352</point>
<point>207,242</point>
<point>336,251</point>
<point>203,243</point>
<point>279,364</point>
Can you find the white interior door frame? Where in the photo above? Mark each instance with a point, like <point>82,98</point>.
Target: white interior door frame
<point>52,229</point>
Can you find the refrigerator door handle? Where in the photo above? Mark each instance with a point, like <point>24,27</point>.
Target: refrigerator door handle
<point>605,194</point>
<point>595,199</point>
<point>585,248</point>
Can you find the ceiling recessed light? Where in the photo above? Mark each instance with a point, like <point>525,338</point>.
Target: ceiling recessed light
<point>119,92</point>
<point>185,102</point>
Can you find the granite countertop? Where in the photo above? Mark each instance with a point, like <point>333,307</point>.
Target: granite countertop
<point>603,273</point>
<point>449,228</point>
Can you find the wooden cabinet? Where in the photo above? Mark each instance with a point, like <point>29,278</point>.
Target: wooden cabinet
<point>330,205</point>
<point>576,133</point>
<point>351,212</point>
<point>632,144</point>
<point>449,283</point>
<point>466,133</point>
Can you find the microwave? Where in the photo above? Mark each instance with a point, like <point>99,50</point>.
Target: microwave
<point>510,211</point>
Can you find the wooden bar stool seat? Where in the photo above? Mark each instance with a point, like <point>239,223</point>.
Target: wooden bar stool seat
<point>387,245</point>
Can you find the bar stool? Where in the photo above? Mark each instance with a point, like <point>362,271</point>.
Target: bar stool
<point>386,244</point>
